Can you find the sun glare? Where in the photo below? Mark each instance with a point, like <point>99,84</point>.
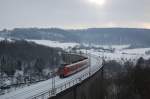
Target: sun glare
<point>98,2</point>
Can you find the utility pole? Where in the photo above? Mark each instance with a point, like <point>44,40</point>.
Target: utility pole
<point>89,64</point>
<point>53,83</point>
<point>53,78</point>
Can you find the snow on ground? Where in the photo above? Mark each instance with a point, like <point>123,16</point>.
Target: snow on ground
<point>8,39</point>
<point>1,38</point>
<point>55,44</point>
<point>36,89</point>
<point>136,51</point>
<point>118,56</point>
<point>118,47</point>
<point>121,55</point>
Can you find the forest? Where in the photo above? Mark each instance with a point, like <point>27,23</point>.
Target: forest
<point>128,81</point>
<point>23,62</point>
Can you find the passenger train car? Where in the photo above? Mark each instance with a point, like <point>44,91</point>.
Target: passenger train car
<point>70,69</point>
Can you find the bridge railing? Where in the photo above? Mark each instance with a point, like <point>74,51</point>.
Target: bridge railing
<point>52,92</point>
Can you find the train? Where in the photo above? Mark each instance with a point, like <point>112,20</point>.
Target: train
<point>69,69</point>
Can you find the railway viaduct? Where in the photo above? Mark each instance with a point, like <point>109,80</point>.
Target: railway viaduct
<point>86,84</point>
<point>90,88</point>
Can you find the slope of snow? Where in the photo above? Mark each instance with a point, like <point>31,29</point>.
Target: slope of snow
<point>115,56</point>
<point>118,47</point>
<point>121,56</point>
<point>136,51</point>
<point>55,44</point>
<point>8,39</point>
<point>1,38</point>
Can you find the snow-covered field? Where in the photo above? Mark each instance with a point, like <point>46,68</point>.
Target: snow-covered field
<point>10,40</point>
<point>1,38</point>
<point>136,51</point>
<point>55,44</point>
<point>121,53</point>
<point>118,47</point>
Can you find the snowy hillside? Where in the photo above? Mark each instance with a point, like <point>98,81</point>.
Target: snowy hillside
<point>55,44</point>
<point>120,55</point>
<point>123,36</point>
<point>136,51</point>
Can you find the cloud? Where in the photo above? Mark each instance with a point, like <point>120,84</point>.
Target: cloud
<point>146,25</point>
<point>73,13</point>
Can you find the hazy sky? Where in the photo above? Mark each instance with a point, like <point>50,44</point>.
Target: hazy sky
<point>74,13</point>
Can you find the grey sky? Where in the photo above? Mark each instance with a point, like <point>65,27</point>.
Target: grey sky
<point>74,13</point>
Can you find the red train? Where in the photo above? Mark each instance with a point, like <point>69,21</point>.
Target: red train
<point>70,69</point>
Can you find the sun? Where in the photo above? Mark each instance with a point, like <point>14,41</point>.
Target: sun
<point>98,2</point>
